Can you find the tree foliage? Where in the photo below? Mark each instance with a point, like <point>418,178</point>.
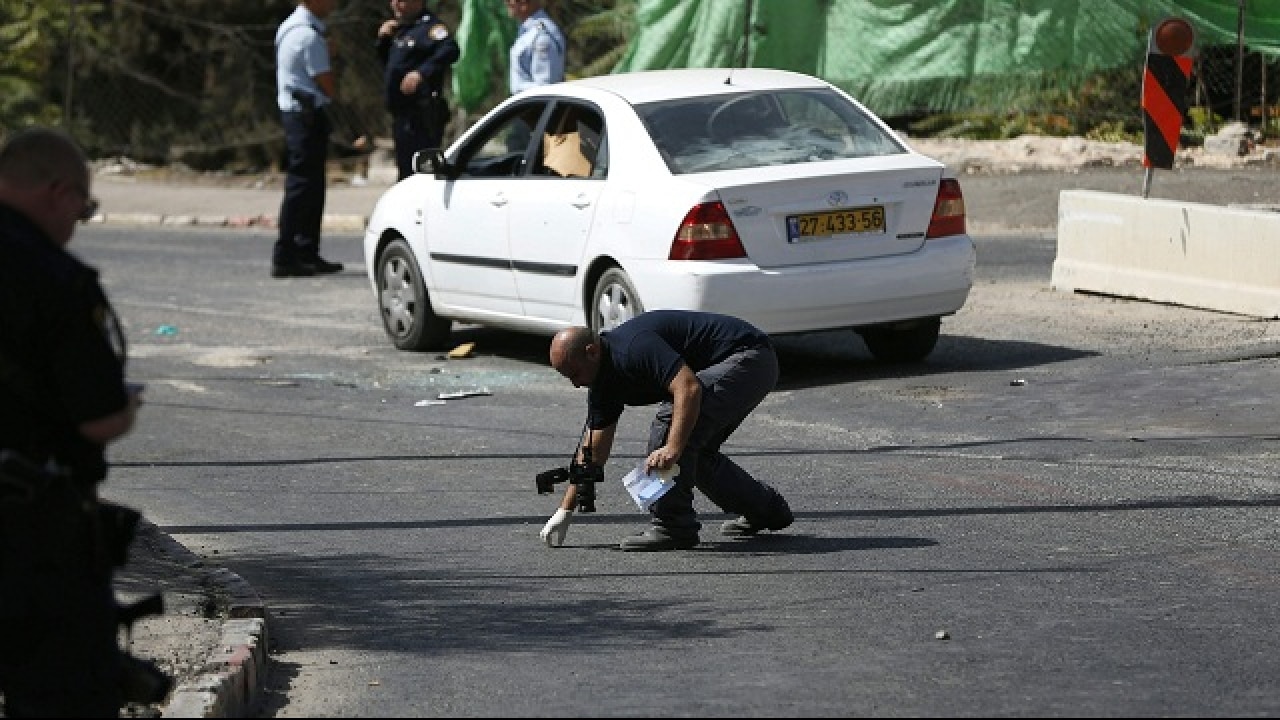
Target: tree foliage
<point>163,79</point>
<point>33,34</point>
<point>598,36</point>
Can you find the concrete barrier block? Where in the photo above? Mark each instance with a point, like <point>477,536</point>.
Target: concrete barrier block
<point>1207,256</point>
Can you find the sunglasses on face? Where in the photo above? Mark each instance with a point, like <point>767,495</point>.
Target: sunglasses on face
<point>90,204</point>
<point>90,209</point>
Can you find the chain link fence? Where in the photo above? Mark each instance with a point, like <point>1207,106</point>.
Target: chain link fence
<point>209,102</point>
<point>1230,83</point>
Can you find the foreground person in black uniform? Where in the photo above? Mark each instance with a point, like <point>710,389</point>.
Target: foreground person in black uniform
<point>63,398</point>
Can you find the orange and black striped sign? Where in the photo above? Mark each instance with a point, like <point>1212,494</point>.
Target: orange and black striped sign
<point>1164,99</point>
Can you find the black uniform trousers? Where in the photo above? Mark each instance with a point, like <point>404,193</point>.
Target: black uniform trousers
<point>306,136</point>
<point>58,651</point>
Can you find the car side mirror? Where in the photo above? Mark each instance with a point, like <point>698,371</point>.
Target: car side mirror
<point>432,160</point>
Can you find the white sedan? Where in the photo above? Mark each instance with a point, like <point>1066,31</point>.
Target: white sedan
<point>769,195</point>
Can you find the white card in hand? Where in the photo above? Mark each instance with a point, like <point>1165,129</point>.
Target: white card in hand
<point>646,488</point>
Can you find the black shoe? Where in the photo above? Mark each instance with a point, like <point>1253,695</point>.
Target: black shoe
<point>656,540</point>
<point>779,518</point>
<point>320,266</point>
<point>292,269</point>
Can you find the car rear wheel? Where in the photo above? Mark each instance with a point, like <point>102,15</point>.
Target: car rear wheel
<point>406,310</point>
<point>904,342</point>
<point>614,301</point>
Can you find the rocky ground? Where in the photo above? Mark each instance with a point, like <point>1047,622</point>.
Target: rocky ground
<point>1012,185</point>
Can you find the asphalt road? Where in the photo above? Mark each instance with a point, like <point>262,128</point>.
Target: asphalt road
<point>1069,511</point>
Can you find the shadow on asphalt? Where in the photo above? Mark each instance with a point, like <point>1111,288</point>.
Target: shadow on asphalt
<point>825,358</point>
<point>709,520</point>
<point>830,358</point>
<point>786,543</point>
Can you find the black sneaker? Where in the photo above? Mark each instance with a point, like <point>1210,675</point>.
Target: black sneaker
<point>292,269</point>
<point>322,266</point>
<point>656,540</point>
<point>780,518</point>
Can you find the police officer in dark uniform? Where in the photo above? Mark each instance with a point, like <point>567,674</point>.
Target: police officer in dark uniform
<point>417,50</point>
<point>63,397</point>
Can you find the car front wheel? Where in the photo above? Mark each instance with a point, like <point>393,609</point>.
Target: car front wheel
<point>406,309</point>
<point>614,301</point>
<point>904,342</point>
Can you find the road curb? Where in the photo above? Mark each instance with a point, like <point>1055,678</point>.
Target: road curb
<point>232,680</point>
<point>333,222</point>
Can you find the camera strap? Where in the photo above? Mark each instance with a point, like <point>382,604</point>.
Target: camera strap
<point>584,444</point>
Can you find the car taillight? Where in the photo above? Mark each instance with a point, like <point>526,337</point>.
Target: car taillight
<point>706,233</point>
<point>948,210</point>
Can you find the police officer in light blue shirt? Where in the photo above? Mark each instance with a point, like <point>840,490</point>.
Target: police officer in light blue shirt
<point>302,55</point>
<point>305,86</point>
<point>537,55</point>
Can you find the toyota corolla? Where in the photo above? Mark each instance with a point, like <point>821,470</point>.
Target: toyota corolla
<point>765,194</point>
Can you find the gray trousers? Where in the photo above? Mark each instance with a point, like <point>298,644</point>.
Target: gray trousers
<point>731,389</point>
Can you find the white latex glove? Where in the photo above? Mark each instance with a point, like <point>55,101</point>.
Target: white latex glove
<point>554,531</point>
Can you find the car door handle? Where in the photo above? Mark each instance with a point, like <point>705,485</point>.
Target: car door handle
<point>581,201</point>
<point>499,200</point>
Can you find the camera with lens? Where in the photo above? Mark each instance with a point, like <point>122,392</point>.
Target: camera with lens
<point>583,474</point>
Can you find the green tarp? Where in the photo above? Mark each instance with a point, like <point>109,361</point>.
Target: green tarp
<point>485,33</point>
<point>897,56</point>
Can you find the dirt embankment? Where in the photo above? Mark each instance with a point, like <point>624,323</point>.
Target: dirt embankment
<point>1014,184</point>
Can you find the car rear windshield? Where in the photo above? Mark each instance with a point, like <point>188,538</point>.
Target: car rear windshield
<point>761,128</point>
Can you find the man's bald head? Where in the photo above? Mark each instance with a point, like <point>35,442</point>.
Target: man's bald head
<point>575,354</point>
<point>570,343</point>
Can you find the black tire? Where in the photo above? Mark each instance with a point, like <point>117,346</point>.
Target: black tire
<point>403,303</point>
<point>613,302</point>
<point>904,342</point>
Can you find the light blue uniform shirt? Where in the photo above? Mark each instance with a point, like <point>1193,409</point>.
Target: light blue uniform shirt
<point>301,55</point>
<point>537,55</point>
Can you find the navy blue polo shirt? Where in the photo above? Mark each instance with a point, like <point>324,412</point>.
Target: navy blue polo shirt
<point>642,356</point>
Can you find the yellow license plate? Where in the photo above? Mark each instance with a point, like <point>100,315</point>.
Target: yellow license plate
<point>836,222</point>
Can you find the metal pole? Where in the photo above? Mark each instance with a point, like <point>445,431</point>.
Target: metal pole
<point>71,47</point>
<point>746,35</point>
<point>1239,56</point>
